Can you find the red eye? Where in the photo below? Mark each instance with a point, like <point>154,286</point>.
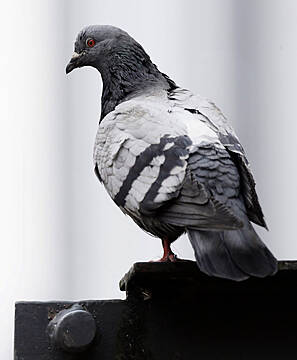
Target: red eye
<point>90,42</point>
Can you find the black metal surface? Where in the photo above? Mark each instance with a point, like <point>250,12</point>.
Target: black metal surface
<point>185,279</point>
<point>173,312</point>
<point>32,341</point>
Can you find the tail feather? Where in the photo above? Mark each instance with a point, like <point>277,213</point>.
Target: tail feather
<point>249,252</point>
<point>212,255</point>
<point>232,254</point>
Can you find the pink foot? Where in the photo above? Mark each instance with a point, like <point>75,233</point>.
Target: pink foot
<point>168,258</point>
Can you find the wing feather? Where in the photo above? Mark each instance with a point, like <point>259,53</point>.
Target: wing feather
<point>207,112</point>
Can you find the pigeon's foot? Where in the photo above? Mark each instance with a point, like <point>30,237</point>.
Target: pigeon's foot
<point>172,258</point>
<point>168,258</point>
<point>168,255</point>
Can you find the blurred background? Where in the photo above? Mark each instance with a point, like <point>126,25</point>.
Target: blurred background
<point>61,236</point>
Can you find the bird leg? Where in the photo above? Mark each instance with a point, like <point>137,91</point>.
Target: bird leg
<point>168,255</point>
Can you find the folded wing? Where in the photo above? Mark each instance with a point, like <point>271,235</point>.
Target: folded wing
<point>207,112</point>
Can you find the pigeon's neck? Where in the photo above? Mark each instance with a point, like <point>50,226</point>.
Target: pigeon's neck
<point>126,73</point>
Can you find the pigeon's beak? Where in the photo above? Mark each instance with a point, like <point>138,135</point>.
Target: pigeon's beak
<point>73,63</point>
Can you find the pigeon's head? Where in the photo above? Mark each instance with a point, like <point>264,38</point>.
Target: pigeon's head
<point>95,44</point>
<point>126,69</point>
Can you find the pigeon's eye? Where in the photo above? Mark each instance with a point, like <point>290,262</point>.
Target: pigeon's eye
<point>90,42</point>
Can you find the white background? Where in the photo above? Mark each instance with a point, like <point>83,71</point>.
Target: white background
<point>61,236</point>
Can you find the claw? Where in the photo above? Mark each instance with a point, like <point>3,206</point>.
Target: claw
<point>168,258</point>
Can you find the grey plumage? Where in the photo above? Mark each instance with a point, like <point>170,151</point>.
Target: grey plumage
<point>233,254</point>
<point>171,161</point>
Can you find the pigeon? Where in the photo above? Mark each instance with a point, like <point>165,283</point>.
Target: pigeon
<point>171,161</point>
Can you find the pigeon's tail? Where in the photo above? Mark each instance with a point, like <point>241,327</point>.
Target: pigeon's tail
<point>232,254</point>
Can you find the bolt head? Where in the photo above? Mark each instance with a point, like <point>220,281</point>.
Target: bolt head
<point>72,330</point>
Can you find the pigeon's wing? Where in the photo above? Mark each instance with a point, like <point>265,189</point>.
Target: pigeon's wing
<point>141,154</point>
<point>207,112</point>
<point>141,157</point>
<point>211,178</point>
